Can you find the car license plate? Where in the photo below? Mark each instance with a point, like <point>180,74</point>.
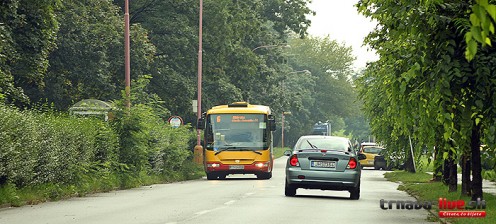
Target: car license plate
<point>236,167</point>
<point>324,164</point>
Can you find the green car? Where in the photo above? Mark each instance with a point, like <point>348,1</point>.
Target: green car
<point>323,162</point>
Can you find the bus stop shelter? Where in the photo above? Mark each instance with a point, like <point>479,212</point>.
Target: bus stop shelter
<point>91,107</point>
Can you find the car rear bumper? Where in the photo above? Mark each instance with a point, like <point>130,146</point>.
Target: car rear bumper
<point>310,179</point>
<point>380,163</point>
<point>367,162</point>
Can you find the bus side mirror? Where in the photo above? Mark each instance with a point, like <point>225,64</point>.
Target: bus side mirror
<point>201,123</point>
<point>272,122</point>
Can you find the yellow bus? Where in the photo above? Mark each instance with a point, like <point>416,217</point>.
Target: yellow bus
<point>237,140</point>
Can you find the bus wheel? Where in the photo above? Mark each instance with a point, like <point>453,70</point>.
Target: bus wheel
<point>211,176</point>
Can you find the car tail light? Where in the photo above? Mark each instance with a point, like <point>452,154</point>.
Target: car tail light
<point>352,164</point>
<point>261,165</point>
<point>293,161</point>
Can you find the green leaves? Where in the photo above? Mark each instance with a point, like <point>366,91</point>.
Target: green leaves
<point>481,27</point>
<point>491,10</point>
<point>27,35</point>
<point>471,50</point>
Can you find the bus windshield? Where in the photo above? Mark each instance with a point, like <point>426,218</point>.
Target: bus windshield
<point>236,131</point>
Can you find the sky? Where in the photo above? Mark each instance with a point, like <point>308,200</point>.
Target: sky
<point>340,20</point>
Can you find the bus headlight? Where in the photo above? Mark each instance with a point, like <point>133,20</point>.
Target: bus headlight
<point>213,165</point>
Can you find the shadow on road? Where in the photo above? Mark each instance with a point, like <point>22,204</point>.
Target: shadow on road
<point>323,197</point>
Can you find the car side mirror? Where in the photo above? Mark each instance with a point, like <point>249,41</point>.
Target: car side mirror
<point>201,123</point>
<point>361,156</point>
<point>287,152</point>
<point>272,122</point>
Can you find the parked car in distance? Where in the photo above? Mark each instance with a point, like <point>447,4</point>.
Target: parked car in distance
<point>394,162</point>
<point>488,161</point>
<point>323,162</point>
<point>370,151</point>
<point>380,163</point>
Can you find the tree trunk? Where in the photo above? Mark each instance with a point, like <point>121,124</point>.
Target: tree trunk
<point>409,163</point>
<point>450,175</point>
<point>438,165</point>
<point>465,164</point>
<point>446,171</point>
<point>453,176</point>
<point>476,163</point>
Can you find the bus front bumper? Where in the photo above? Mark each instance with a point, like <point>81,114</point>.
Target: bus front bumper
<point>256,167</point>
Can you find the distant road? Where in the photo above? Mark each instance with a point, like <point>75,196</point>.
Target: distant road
<point>238,199</point>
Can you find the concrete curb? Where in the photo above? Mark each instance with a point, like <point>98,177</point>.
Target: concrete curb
<point>431,211</point>
<point>487,186</point>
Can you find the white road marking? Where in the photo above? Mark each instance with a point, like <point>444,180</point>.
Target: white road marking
<point>202,212</point>
<point>230,202</point>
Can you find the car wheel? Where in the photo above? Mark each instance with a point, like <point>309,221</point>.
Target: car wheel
<point>355,192</point>
<point>289,190</point>
<point>264,176</point>
<point>376,167</point>
<point>211,176</point>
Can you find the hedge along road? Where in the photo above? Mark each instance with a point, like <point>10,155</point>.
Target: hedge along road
<point>238,199</point>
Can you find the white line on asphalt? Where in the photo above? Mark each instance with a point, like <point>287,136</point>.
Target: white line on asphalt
<point>248,194</point>
<point>202,212</point>
<point>230,202</point>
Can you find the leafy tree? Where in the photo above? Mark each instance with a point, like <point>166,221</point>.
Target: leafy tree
<point>27,33</point>
<point>329,95</point>
<point>88,61</point>
<point>330,62</point>
<point>232,71</point>
<point>424,83</point>
<point>482,21</point>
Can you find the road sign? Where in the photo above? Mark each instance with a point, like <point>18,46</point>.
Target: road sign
<point>175,121</point>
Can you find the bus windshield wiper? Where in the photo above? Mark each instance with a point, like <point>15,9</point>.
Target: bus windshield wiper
<point>224,149</point>
<point>247,149</point>
<point>237,149</point>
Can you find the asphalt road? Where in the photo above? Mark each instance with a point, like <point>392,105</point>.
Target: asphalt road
<point>238,199</point>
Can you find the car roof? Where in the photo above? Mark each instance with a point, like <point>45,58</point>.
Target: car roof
<point>323,137</point>
<point>332,138</point>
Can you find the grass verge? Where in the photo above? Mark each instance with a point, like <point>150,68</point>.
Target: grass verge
<point>279,152</point>
<point>10,195</point>
<point>419,186</point>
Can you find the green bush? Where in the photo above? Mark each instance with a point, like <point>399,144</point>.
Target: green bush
<point>149,143</point>
<point>49,155</point>
<point>42,148</point>
<point>21,142</point>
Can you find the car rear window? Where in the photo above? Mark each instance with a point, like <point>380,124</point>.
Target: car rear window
<point>329,144</point>
<point>372,150</point>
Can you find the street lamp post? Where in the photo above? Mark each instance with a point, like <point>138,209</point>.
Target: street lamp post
<point>302,71</point>
<point>288,112</point>
<point>270,46</point>
<point>282,127</point>
<point>282,130</point>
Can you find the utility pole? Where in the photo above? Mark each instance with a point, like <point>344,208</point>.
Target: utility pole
<point>127,55</point>
<point>198,150</point>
